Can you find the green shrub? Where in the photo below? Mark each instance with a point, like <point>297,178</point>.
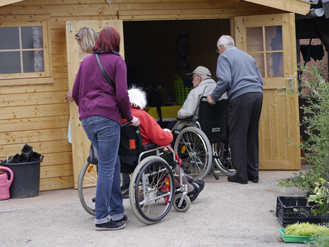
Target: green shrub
<point>321,238</point>
<point>316,122</point>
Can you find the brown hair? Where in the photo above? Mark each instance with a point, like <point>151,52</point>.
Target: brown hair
<point>108,40</point>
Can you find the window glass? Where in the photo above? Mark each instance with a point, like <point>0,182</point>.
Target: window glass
<point>10,62</point>
<point>259,62</point>
<point>32,61</point>
<point>31,37</point>
<point>255,39</point>
<point>9,38</point>
<point>274,64</point>
<point>273,37</point>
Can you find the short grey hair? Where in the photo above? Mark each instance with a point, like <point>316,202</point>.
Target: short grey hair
<point>225,40</point>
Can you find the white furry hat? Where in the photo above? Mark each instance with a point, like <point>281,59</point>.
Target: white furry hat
<point>137,97</point>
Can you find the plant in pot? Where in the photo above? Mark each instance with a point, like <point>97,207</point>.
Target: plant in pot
<point>316,122</point>
<point>320,198</point>
<point>304,232</point>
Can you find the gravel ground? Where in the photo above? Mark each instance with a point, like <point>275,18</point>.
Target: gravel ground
<point>225,214</point>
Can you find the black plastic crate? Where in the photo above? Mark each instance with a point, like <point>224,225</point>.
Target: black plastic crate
<point>290,210</point>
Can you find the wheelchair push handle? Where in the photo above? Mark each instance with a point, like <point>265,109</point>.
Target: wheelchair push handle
<point>126,124</point>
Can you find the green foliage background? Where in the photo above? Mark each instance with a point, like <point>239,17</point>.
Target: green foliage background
<point>316,121</point>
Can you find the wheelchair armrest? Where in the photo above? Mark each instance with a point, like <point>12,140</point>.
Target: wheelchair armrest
<point>188,119</point>
<point>149,146</point>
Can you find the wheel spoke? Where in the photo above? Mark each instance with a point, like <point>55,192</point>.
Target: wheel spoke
<point>193,145</point>
<point>155,190</point>
<point>222,157</point>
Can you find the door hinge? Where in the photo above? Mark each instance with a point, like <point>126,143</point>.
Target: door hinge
<point>71,27</point>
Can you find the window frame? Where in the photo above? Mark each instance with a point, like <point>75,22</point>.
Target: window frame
<point>31,78</point>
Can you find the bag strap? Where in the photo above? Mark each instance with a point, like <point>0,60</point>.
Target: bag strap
<point>104,73</point>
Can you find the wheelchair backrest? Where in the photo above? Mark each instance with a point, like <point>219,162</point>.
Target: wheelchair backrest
<point>130,148</point>
<point>213,120</point>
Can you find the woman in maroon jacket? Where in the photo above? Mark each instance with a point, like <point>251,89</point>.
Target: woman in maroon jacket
<point>100,107</point>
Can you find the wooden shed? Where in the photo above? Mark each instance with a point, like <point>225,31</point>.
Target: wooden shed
<point>34,78</point>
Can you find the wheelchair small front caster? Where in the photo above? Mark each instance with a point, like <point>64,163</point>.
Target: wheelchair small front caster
<point>185,205</point>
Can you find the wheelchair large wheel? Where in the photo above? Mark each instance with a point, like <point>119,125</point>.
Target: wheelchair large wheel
<point>222,158</point>
<point>193,147</point>
<point>87,187</point>
<point>152,190</point>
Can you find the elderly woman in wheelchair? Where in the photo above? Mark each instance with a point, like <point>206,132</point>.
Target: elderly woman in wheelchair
<point>157,182</point>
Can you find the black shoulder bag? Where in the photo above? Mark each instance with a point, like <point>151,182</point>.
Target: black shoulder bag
<point>103,72</point>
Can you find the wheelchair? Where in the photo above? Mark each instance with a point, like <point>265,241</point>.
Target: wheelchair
<point>203,143</point>
<point>152,189</point>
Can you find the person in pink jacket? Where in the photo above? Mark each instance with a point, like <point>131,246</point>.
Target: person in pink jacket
<point>152,132</point>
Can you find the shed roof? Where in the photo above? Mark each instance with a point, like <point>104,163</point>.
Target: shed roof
<point>295,6</point>
<point>8,2</point>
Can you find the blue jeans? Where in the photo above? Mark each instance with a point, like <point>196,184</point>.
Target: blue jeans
<point>104,134</point>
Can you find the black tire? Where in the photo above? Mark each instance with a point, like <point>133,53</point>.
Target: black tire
<point>222,158</point>
<point>193,147</point>
<point>87,187</point>
<point>152,190</point>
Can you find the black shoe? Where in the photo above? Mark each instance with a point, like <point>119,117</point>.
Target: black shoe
<point>110,226</point>
<point>235,180</point>
<point>254,180</point>
<point>124,219</point>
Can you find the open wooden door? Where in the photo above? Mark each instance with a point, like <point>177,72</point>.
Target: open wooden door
<point>271,40</point>
<point>80,142</point>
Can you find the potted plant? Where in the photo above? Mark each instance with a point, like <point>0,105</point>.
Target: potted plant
<point>320,198</point>
<point>304,233</point>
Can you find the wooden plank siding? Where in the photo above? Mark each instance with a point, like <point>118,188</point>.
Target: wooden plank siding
<point>38,114</point>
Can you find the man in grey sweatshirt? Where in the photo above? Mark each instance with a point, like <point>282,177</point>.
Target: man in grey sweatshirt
<point>238,75</point>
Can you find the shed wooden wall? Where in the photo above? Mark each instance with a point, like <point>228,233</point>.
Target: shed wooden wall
<point>38,114</point>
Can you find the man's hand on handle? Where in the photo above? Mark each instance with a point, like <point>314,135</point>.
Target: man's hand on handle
<point>210,101</point>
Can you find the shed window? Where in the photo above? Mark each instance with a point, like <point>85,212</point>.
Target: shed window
<point>24,50</point>
<point>266,46</point>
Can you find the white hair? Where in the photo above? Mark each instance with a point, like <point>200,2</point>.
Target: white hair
<point>137,97</point>
<point>225,40</point>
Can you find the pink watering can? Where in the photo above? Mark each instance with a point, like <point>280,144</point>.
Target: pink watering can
<point>5,183</point>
